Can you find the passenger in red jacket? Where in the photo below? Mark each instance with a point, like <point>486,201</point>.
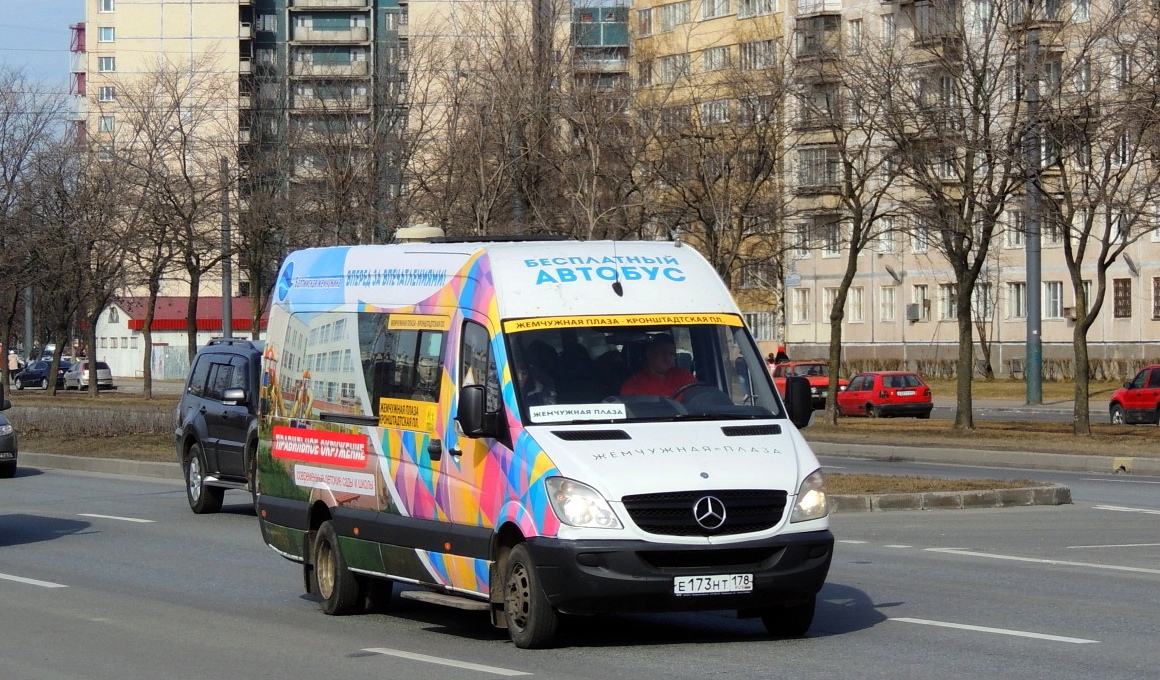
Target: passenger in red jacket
<point>660,374</point>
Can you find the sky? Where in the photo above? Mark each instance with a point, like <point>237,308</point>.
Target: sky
<point>35,36</point>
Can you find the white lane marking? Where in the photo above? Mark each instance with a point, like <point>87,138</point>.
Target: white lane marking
<point>445,662</point>
<point>32,581</point>
<point>852,541</point>
<point>1036,560</point>
<point>1120,508</point>
<point>1118,481</point>
<point>888,545</point>
<point>1115,545</point>
<point>998,631</point>
<point>123,519</point>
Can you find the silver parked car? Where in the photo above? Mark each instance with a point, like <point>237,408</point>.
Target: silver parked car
<point>78,376</point>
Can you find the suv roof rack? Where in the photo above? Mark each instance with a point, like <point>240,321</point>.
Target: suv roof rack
<point>234,341</point>
<point>506,238</point>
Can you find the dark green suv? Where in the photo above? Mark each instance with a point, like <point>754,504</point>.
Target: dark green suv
<point>216,424</point>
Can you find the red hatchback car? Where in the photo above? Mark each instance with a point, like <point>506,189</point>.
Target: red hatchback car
<point>884,394</point>
<point>1137,401</point>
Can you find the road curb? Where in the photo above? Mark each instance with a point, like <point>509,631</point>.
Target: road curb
<point>112,466</point>
<point>1029,460</point>
<point>1055,494</point>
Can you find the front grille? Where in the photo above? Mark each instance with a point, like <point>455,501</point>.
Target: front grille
<point>671,513</point>
<point>750,430</point>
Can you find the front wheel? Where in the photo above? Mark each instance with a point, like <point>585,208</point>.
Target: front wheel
<point>202,499</point>
<point>531,620</point>
<point>1117,415</point>
<point>793,621</point>
<point>337,587</point>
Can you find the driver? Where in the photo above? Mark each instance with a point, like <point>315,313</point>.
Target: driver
<point>660,374</point>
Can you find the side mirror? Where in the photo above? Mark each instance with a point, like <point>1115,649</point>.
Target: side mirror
<point>798,404</point>
<point>234,396</point>
<point>1128,385</point>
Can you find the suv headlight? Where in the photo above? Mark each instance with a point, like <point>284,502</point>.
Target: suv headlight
<point>5,429</point>
<point>580,505</point>
<point>811,499</point>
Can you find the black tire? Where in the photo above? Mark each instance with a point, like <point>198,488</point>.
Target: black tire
<point>8,470</point>
<point>375,594</point>
<point>336,586</point>
<point>531,620</point>
<point>252,474</point>
<point>872,411</point>
<point>924,416</point>
<point>203,500</point>
<point>1117,415</point>
<point>787,622</point>
<point>44,383</point>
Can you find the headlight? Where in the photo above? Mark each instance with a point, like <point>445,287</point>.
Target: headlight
<point>5,429</point>
<point>580,505</point>
<point>813,390</point>
<point>811,499</point>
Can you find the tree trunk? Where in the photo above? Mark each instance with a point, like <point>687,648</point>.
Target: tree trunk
<point>964,410</point>
<point>147,337</point>
<point>1081,414</point>
<point>191,315</point>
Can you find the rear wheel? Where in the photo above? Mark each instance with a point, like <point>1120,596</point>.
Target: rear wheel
<point>8,470</point>
<point>792,621</point>
<point>18,384</point>
<point>872,411</point>
<point>202,499</point>
<point>337,588</point>
<point>1117,415</point>
<point>44,383</point>
<point>531,620</point>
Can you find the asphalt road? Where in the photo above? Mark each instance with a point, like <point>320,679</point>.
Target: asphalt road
<point>104,576</point>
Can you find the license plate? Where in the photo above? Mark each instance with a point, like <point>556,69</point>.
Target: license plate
<point>713,585</point>
<point>905,393</point>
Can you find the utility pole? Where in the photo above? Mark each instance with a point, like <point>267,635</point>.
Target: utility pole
<point>1033,371</point>
<point>227,283</point>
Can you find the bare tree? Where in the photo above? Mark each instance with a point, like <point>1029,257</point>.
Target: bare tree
<point>1099,181</point>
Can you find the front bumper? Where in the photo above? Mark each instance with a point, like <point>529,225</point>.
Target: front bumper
<point>594,577</point>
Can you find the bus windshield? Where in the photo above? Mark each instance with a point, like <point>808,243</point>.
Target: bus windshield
<point>605,371</point>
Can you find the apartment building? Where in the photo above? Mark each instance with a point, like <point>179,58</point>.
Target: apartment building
<point>902,303</point>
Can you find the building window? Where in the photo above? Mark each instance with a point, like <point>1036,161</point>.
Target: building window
<point>832,239</point>
<point>1017,300</point>
<point>106,64</point>
<point>1083,75</point>
<point>1082,10</point>
<point>106,34</point>
<point>801,305</point>
<point>105,124</point>
<point>1156,297</point>
<point>753,8</point>
<point>948,301</point>
<point>888,29</point>
<point>672,67</point>
<point>104,154</point>
<point>644,22</point>
<point>884,239</point>
<point>854,302</point>
<point>1016,228</point>
<point>758,54</point>
<point>763,325</point>
<point>919,241</point>
<point>113,316</point>
<point>714,8</point>
<point>818,167</point>
<point>106,93</point>
<point>921,297</point>
<point>855,31</point>
<point>802,243</point>
<point>829,297</point>
<point>1053,299</point>
<point>715,59</point>
<point>644,73</point>
<point>107,6</point>
<point>886,302</point>
<point>1122,298</point>
<point>671,15</point>
<point>984,302</point>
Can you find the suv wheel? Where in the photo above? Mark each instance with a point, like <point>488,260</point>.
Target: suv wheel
<point>1117,415</point>
<point>202,499</point>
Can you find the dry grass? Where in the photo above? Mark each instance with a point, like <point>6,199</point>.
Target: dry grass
<point>1005,388</point>
<point>841,484</point>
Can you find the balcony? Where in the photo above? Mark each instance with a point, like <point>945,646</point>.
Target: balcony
<point>358,102</point>
<point>354,69</point>
<point>246,100</point>
<point>588,64</point>
<point>311,35</point>
<point>805,7</point>
<point>245,66</point>
<point>245,31</point>
<point>328,4</point>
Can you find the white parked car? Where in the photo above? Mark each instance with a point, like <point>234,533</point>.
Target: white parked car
<point>77,376</point>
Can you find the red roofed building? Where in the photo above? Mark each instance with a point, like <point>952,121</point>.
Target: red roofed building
<point>120,340</point>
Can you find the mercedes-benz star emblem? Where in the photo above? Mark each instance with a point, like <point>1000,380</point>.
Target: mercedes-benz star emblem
<point>709,512</point>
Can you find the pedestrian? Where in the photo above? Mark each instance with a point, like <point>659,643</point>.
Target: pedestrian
<point>781,357</point>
